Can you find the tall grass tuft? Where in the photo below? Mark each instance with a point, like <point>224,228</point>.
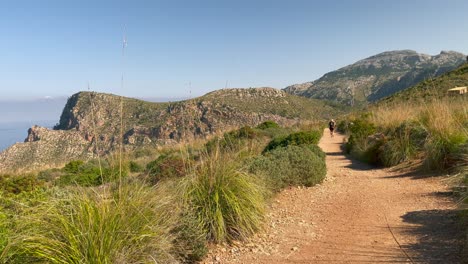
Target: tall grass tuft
<point>127,226</point>
<point>434,132</point>
<point>227,203</point>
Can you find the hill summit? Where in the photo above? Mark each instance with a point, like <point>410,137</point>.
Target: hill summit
<point>378,76</point>
<point>89,118</point>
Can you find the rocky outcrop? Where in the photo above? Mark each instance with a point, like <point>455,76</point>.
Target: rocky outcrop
<point>378,76</point>
<point>44,148</point>
<point>91,123</point>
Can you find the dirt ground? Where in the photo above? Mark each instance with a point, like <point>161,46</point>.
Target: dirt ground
<point>359,214</point>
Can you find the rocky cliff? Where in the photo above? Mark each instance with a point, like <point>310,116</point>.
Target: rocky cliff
<point>90,123</point>
<point>378,76</point>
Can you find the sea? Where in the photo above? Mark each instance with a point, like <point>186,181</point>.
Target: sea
<point>13,132</point>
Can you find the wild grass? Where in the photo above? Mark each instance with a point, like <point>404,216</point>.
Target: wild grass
<point>195,196</point>
<point>434,132</point>
<point>94,226</point>
<point>227,202</point>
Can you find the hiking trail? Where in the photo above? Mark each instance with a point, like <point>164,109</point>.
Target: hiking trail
<point>359,214</point>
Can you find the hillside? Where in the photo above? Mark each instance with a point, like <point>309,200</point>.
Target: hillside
<point>88,118</point>
<point>431,89</point>
<point>378,76</point>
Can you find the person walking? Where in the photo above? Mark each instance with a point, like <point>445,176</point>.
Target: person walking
<point>331,126</point>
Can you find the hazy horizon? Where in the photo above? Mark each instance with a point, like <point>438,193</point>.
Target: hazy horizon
<point>186,49</point>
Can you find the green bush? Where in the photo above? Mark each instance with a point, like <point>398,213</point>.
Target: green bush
<point>268,124</point>
<point>343,126</point>
<point>73,166</point>
<point>227,203</point>
<point>128,225</point>
<point>232,140</point>
<point>316,150</point>
<point>15,184</point>
<point>166,166</point>
<point>79,173</point>
<point>298,138</point>
<point>90,173</point>
<point>290,166</point>
<point>359,129</point>
<point>135,167</point>
<point>402,144</point>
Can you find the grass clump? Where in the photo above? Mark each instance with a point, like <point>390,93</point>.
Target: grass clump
<point>227,203</point>
<point>166,166</point>
<point>190,243</point>
<point>298,138</point>
<point>128,225</point>
<point>267,125</point>
<point>291,166</point>
<point>433,132</point>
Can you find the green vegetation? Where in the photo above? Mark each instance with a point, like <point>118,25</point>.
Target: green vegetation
<point>228,204</point>
<point>290,166</point>
<point>87,174</point>
<point>169,205</point>
<point>433,132</point>
<point>128,224</point>
<point>299,138</point>
<point>166,166</point>
<point>232,141</point>
<point>431,89</point>
<point>267,125</point>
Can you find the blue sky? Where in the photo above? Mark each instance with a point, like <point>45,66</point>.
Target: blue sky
<point>54,48</point>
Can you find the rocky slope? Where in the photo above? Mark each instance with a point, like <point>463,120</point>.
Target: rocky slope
<point>90,118</point>
<point>431,89</point>
<point>378,76</point>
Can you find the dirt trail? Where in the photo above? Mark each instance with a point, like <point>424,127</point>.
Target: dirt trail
<point>359,214</point>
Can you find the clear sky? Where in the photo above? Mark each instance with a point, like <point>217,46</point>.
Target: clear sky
<point>54,48</point>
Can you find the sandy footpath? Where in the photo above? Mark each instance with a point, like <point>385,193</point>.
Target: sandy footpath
<point>359,214</point>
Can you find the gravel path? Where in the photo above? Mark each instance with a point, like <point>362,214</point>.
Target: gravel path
<point>359,214</point>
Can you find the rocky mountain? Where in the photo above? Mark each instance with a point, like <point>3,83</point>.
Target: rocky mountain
<point>378,76</point>
<point>433,89</point>
<point>90,123</point>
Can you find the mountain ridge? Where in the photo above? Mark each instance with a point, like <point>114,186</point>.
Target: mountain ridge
<point>378,76</point>
<point>90,117</point>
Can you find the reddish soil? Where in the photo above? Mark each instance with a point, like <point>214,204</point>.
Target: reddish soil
<point>359,214</point>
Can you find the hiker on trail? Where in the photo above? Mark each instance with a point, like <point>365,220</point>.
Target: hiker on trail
<point>331,126</point>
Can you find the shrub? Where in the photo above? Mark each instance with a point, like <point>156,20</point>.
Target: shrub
<point>232,140</point>
<point>403,143</point>
<point>89,174</point>
<point>227,203</point>
<point>166,166</point>
<point>73,166</point>
<point>298,138</point>
<point>268,124</point>
<point>316,150</point>
<point>82,175</point>
<point>130,225</point>
<point>135,167</point>
<point>15,184</point>
<point>360,129</point>
<point>343,126</point>
<point>290,166</point>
